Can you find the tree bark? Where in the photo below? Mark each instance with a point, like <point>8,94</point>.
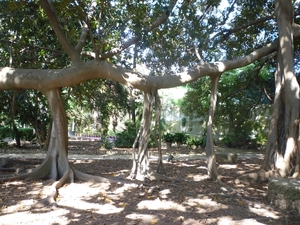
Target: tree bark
<point>284,16</point>
<point>140,167</point>
<point>283,140</point>
<point>58,144</point>
<point>13,114</point>
<point>210,150</point>
<point>157,133</point>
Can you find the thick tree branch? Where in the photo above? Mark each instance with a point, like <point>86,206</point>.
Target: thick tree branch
<point>82,39</point>
<point>11,78</point>
<point>70,50</point>
<point>252,23</point>
<point>226,33</point>
<point>86,28</point>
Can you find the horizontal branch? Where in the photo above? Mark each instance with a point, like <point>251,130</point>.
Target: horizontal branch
<point>224,34</point>
<point>79,72</point>
<point>46,79</point>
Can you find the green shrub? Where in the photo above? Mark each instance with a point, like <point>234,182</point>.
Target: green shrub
<point>196,141</point>
<point>168,137</point>
<point>107,143</point>
<point>5,132</point>
<point>180,137</point>
<point>3,144</point>
<point>24,133</point>
<point>125,139</point>
<point>229,140</point>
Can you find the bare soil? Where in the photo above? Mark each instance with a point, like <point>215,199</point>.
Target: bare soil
<point>194,200</point>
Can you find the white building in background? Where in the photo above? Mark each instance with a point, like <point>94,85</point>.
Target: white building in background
<point>196,126</point>
<point>173,116</point>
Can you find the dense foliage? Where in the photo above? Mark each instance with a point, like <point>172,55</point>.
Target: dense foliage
<point>236,111</point>
<point>196,31</point>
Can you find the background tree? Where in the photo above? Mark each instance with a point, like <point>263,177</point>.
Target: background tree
<point>108,99</point>
<point>253,89</point>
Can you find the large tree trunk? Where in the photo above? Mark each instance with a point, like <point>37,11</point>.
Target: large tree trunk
<point>56,166</point>
<point>286,105</point>
<point>282,149</point>
<point>58,143</point>
<point>210,150</point>
<point>284,15</point>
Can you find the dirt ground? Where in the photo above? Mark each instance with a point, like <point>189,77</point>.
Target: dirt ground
<point>194,200</point>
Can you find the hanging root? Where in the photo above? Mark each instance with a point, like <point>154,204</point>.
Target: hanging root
<point>53,190</point>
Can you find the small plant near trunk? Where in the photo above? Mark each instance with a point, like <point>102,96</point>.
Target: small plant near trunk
<point>168,137</point>
<point>180,138</point>
<point>195,142</point>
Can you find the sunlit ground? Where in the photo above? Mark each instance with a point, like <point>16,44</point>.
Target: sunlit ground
<point>193,201</point>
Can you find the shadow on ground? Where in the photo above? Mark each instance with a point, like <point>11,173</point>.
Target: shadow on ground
<point>196,200</point>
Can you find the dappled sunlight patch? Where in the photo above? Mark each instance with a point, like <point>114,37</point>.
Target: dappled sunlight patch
<point>263,210</point>
<point>57,217</point>
<point>86,161</point>
<point>83,190</point>
<point>124,188</point>
<point>19,195</point>
<point>227,220</point>
<point>204,205</point>
<point>18,206</point>
<point>106,206</point>
<point>201,168</point>
<point>228,166</point>
<point>102,205</point>
<point>187,165</point>
<point>197,177</point>
<point>108,209</point>
<point>145,218</point>
<point>250,166</point>
<point>165,193</point>
<point>158,204</point>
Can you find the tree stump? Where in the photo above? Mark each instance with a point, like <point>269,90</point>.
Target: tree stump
<point>284,193</point>
<point>226,158</point>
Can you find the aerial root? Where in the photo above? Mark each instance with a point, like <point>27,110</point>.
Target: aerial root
<point>52,194</point>
<point>296,175</point>
<point>256,177</point>
<point>87,177</point>
<point>35,174</point>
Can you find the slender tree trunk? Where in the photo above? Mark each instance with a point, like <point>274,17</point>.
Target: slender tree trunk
<point>140,167</point>
<point>210,150</point>
<point>13,114</point>
<point>157,133</point>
